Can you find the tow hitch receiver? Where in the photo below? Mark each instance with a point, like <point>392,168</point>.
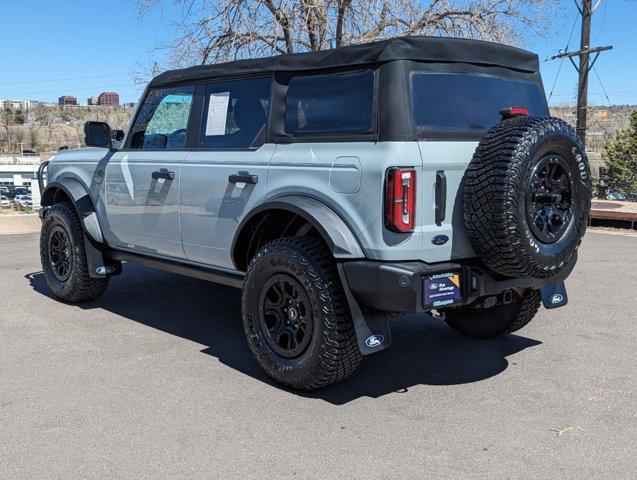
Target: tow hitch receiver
<point>554,296</point>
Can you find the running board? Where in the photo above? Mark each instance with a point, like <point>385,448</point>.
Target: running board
<point>231,279</point>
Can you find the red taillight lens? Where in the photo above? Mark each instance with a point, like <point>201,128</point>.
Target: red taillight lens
<point>400,199</point>
<point>514,112</point>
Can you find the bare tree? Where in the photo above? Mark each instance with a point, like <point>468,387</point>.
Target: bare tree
<point>209,31</point>
<point>33,137</point>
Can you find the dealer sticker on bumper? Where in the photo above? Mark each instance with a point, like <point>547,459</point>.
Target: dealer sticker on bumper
<point>442,289</point>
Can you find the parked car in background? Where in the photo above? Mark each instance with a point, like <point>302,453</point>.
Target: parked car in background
<point>4,202</point>
<point>15,191</point>
<point>615,195</point>
<point>29,153</point>
<point>23,201</point>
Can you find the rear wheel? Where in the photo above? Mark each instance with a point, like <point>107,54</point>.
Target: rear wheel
<point>295,315</point>
<point>497,320</point>
<point>63,257</point>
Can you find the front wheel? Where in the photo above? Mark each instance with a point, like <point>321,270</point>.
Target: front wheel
<point>63,257</point>
<point>497,320</point>
<point>295,315</point>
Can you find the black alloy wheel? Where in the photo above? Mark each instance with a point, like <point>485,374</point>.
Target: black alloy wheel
<point>295,314</point>
<point>285,316</point>
<point>63,256</point>
<point>549,198</point>
<point>60,253</point>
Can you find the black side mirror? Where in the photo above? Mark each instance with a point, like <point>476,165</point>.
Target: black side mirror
<point>118,135</point>
<point>97,134</point>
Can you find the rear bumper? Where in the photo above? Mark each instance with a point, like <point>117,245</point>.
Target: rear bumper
<point>399,286</point>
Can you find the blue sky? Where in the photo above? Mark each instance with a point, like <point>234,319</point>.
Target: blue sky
<point>82,48</point>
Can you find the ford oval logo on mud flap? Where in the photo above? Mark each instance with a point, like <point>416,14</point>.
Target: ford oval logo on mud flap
<point>104,270</point>
<point>374,341</point>
<point>557,298</point>
<point>440,239</point>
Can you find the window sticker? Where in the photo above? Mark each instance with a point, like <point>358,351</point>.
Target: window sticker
<point>217,113</point>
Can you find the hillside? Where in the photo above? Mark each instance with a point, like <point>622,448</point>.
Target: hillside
<point>47,128</point>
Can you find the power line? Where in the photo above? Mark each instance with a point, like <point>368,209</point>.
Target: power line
<point>586,10</point>
<point>601,29</point>
<point>601,85</point>
<point>67,68</point>
<point>63,79</point>
<point>621,122</point>
<point>98,87</point>
<point>559,69</point>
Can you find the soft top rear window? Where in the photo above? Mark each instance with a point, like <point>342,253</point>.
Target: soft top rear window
<point>458,102</point>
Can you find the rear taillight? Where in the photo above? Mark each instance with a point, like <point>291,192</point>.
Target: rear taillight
<point>514,112</point>
<point>400,199</point>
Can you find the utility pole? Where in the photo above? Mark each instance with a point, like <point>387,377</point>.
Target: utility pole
<point>586,10</point>
<point>582,83</point>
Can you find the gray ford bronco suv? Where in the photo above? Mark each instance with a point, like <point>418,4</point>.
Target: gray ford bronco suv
<point>338,189</point>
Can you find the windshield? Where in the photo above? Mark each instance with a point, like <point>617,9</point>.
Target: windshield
<point>452,102</point>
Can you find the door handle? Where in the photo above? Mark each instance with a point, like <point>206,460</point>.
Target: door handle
<point>243,178</point>
<point>163,173</point>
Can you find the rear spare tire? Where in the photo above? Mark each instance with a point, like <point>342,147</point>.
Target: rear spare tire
<point>527,195</point>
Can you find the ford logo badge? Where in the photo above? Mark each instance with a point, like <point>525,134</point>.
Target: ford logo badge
<point>374,341</point>
<point>104,270</point>
<point>440,239</point>
<point>557,298</point>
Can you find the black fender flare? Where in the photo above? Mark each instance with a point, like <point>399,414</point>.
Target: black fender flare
<point>336,233</point>
<point>83,204</point>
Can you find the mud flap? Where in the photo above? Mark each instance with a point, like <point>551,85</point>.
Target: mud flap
<point>554,296</point>
<point>372,327</point>
<point>98,265</point>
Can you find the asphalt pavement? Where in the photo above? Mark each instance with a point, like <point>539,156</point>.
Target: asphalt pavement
<point>155,380</point>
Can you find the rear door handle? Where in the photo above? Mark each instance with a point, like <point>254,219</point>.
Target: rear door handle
<point>163,173</point>
<point>243,178</point>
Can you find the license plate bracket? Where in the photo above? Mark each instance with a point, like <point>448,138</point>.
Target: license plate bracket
<point>442,289</point>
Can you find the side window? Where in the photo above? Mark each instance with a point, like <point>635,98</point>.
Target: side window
<point>162,122</point>
<point>235,113</point>
<point>341,103</point>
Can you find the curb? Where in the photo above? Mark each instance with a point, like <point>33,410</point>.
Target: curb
<point>19,224</point>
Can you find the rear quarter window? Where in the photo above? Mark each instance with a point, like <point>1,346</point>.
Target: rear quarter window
<point>452,102</point>
<point>324,104</point>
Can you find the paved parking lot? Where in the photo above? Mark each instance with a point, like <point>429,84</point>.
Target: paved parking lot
<point>155,380</point>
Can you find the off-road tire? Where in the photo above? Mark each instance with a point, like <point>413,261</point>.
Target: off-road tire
<point>79,287</point>
<point>496,195</point>
<point>333,352</point>
<point>497,320</point>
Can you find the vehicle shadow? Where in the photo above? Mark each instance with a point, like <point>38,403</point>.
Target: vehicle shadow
<point>424,351</point>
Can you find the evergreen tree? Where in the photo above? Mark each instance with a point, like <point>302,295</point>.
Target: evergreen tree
<point>620,157</point>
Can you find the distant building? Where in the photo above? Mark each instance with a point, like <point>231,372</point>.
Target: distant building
<point>67,100</point>
<point>92,101</point>
<point>108,99</point>
<point>130,104</point>
<point>25,105</point>
<point>14,172</point>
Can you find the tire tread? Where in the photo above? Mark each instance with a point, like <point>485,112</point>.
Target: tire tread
<point>340,354</point>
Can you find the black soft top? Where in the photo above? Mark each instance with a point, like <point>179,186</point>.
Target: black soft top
<point>423,49</point>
